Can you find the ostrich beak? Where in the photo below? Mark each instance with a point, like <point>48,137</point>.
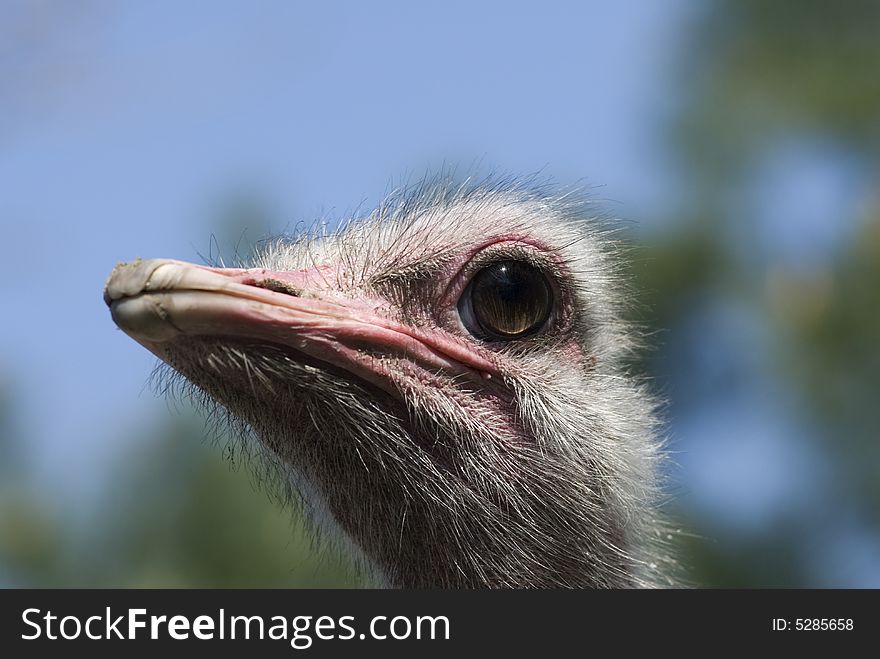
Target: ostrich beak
<point>159,301</point>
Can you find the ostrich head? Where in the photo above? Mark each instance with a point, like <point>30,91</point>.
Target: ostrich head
<point>441,382</point>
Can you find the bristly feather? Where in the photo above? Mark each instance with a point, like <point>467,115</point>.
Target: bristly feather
<point>553,484</point>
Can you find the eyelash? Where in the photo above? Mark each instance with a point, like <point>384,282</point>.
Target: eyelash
<point>507,251</point>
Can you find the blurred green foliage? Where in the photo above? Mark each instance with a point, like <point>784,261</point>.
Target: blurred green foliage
<point>756,75</point>
<point>177,514</point>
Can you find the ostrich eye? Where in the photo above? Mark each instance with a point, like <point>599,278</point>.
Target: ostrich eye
<point>506,300</point>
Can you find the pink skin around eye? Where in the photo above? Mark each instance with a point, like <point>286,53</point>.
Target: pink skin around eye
<point>461,274</point>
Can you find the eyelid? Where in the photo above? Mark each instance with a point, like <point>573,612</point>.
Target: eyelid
<point>514,249</point>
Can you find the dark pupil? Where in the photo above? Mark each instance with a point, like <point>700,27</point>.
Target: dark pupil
<point>511,299</point>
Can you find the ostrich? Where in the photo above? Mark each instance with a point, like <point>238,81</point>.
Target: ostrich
<point>441,382</point>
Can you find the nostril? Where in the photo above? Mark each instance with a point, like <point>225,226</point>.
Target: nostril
<point>276,285</point>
